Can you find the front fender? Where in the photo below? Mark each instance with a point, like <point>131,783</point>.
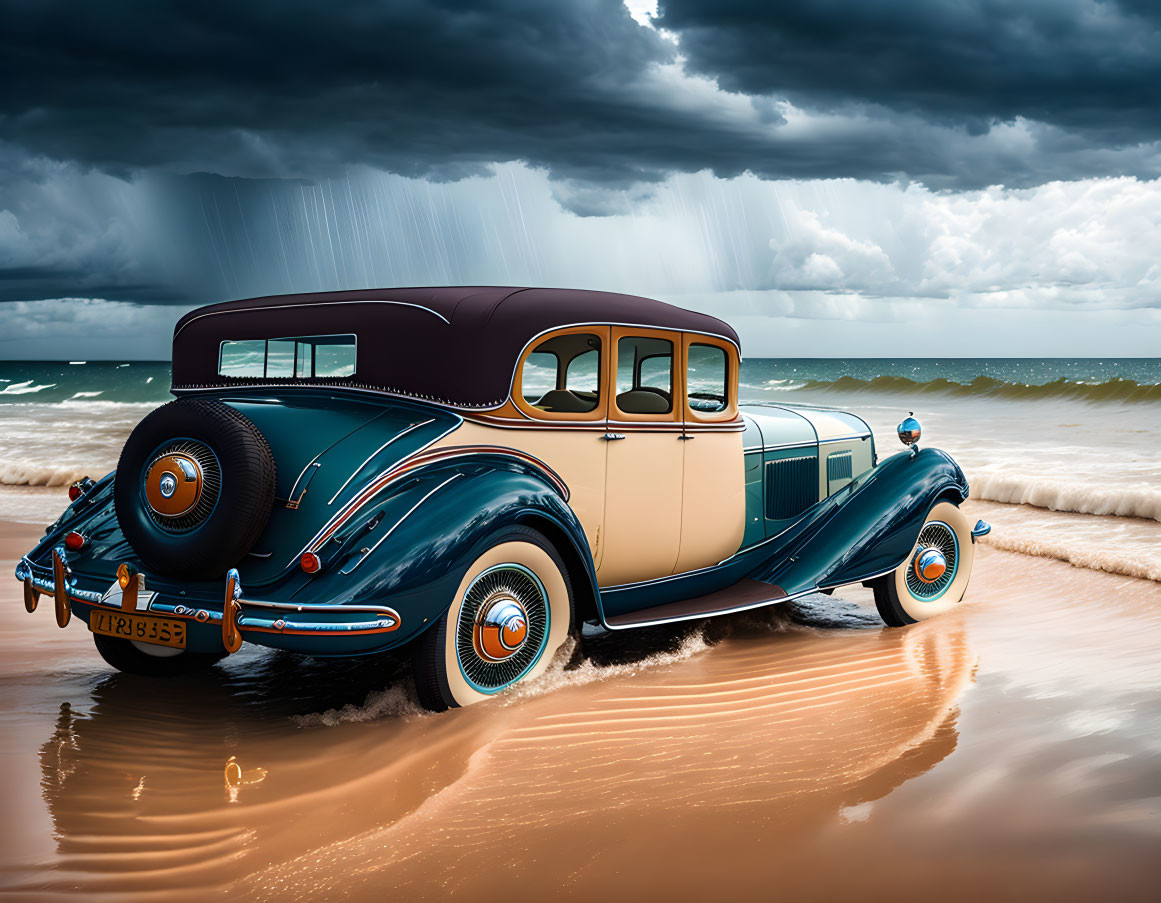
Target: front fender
<point>416,562</point>
<point>874,528</point>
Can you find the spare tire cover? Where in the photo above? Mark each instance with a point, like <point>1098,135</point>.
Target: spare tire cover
<point>194,488</point>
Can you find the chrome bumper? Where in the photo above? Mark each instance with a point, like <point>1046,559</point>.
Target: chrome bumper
<point>233,619</point>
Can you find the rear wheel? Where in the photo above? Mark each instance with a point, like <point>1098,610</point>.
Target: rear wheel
<point>152,661</point>
<point>935,575</point>
<point>511,612</point>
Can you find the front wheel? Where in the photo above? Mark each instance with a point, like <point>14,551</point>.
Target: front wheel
<point>935,575</point>
<point>133,657</point>
<point>511,612</point>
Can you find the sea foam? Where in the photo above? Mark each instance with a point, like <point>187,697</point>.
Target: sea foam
<point>1068,495</point>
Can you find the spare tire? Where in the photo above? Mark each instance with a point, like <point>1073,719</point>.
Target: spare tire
<point>194,488</point>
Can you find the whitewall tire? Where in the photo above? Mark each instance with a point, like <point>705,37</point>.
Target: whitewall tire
<point>511,612</point>
<point>935,575</point>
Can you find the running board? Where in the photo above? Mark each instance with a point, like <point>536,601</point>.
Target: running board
<point>743,595</point>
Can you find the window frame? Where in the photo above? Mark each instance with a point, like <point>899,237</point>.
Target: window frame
<point>598,413</point>
<point>677,388</point>
<point>294,377</point>
<point>732,361</point>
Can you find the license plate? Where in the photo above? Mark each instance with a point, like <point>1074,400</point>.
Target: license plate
<point>143,628</point>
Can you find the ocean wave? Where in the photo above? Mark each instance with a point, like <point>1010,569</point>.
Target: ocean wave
<point>27,473</point>
<point>1118,389</point>
<point>25,388</point>
<point>1091,558</point>
<point>1068,495</point>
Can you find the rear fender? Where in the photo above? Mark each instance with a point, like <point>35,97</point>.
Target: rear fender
<point>874,527</point>
<point>414,563</point>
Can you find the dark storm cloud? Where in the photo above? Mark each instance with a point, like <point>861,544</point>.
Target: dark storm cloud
<point>1087,65</point>
<point>292,87</point>
<point>439,89</point>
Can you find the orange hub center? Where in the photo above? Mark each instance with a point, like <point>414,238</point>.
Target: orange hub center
<point>930,565</point>
<point>501,629</point>
<point>173,485</point>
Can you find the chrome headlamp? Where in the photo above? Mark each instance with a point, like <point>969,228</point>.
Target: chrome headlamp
<point>909,432</point>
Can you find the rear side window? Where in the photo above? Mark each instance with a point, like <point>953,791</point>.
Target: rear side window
<point>298,357</point>
<point>705,378</point>
<point>562,374</point>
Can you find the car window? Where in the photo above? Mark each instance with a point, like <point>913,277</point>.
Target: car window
<point>584,372</point>
<point>287,358</point>
<point>280,358</point>
<point>539,375</point>
<point>246,358</point>
<point>561,375</point>
<point>705,378</point>
<point>644,375</point>
<point>331,359</point>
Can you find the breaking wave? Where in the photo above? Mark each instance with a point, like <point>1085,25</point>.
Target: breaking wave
<point>26,473</point>
<point>1068,495</point>
<point>1090,558</point>
<point>1120,390</point>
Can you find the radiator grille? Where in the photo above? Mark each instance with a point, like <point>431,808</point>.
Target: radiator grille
<point>839,470</point>
<point>791,486</point>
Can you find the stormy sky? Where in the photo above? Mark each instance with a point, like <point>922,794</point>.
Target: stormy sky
<point>835,177</point>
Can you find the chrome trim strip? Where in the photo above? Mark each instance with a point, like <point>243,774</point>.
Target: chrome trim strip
<point>345,435</point>
<point>350,508</point>
<point>370,457</point>
<point>725,611</point>
<point>242,310</point>
<point>381,610</point>
<point>252,624</point>
<point>368,552</point>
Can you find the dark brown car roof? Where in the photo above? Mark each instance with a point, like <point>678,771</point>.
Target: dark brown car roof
<point>455,345</point>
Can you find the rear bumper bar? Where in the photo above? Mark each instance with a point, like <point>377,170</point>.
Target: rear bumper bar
<point>239,618</point>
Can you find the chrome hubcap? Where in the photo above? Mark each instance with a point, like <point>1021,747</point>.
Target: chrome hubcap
<point>933,566</point>
<point>181,485</point>
<point>503,626</point>
<point>930,565</point>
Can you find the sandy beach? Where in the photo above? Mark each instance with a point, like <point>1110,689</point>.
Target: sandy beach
<point>1009,750</point>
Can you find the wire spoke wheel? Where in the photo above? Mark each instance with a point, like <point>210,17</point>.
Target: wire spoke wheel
<point>512,610</point>
<point>934,577</point>
<point>931,581</point>
<point>506,601</point>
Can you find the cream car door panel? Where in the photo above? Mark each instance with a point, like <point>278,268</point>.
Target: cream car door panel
<point>642,506</point>
<point>713,499</point>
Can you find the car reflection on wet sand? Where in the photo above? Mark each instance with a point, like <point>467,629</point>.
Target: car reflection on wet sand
<point>784,725</point>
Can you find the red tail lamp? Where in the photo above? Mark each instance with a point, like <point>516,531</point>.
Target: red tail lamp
<point>79,488</point>
<point>310,563</point>
<point>75,541</point>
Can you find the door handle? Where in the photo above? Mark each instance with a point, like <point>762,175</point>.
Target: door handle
<point>685,437</point>
<point>609,437</point>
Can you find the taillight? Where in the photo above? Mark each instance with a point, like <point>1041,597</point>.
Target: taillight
<point>125,574</point>
<point>310,563</point>
<point>79,488</point>
<point>75,541</point>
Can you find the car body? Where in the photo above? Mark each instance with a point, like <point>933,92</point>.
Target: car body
<point>477,472</point>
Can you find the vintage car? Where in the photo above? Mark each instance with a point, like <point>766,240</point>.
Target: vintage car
<point>475,473</point>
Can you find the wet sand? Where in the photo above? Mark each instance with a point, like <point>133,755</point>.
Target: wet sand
<point>1008,750</point>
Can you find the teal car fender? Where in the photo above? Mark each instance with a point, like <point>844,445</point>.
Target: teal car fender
<point>412,552</point>
<point>871,526</point>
